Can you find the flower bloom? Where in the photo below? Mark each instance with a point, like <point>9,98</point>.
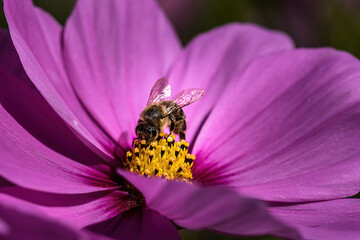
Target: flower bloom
<point>276,136</point>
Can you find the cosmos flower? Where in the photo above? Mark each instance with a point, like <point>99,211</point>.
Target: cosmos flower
<point>276,136</point>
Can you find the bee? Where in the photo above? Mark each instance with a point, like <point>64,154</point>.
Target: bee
<point>161,111</point>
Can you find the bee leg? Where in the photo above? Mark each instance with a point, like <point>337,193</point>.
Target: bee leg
<point>183,129</point>
<point>182,135</point>
<point>172,125</point>
<point>132,145</point>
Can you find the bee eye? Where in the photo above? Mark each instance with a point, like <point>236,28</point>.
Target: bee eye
<point>153,132</point>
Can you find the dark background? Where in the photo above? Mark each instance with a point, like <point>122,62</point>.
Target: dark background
<point>310,23</point>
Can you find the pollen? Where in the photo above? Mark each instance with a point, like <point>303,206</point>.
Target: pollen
<point>164,157</point>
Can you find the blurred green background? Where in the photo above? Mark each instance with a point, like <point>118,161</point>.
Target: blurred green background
<point>309,23</point>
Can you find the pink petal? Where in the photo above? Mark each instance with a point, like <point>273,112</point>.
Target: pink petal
<point>113,213</point>
<point>30,157</point>
<point>214,208</point>
<point>95,211</point>
<point>138,224</point>
<point>9,59</point>
<point>288,129</point>
<point>19,98</point>
<point>79,210</point>
<point>41,57</point>
<point>330,220</point>
<point>216,58</point>
<point>114,52</point>
<point>22,221</point>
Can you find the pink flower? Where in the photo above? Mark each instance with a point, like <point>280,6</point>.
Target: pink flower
<point>276,136</point>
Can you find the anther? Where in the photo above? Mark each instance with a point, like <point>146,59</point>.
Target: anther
<point>143,143</point>
<point>162,151</point>
<point>182,144</point>
<point>177,151</point>
<point>170,141</point>
<point>171,161</point>
<point>151,156</point>
<point>152,145</point>
<point>164,158</point>
<point>129,156</point>
<point>172,136</point>
<point>189,158</point>
<point>137,152</point>
<point>161,135</point>
<point>147,173</point>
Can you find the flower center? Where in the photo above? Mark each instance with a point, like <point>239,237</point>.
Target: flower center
<point>163,157</point>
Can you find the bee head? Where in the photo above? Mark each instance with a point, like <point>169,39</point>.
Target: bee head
<point>147,132</point>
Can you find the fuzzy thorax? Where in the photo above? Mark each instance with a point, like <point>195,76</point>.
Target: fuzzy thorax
<point>163,157</point>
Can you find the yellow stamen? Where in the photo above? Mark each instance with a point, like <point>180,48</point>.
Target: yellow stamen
<point>163,157</point>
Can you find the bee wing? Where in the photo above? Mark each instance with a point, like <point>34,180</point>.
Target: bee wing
<point>160,91</point>
<point>184,98</point>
